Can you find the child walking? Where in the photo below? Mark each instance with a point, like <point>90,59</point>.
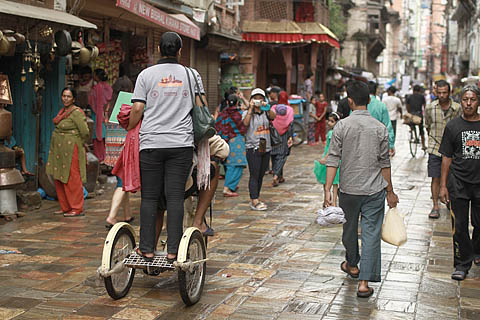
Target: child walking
<point>320,168</point>
<point>312,120</point>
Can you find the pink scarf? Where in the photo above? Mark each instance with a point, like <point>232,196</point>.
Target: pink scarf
<point>99,96</point>
<point>282,123</point>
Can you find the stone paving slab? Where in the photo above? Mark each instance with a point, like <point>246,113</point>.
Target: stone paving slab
<point>276,264</point>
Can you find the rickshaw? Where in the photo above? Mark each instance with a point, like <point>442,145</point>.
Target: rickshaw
<point>299,131</point>
<point>120,260</point>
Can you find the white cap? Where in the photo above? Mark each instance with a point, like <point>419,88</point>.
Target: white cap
<point>258,91</point>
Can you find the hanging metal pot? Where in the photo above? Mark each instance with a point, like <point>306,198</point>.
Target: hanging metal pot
<point>64,42</point>
<point>4,44</point>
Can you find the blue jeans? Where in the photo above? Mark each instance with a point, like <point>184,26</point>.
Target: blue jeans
<point>372,209</point>
<point>232,176</point>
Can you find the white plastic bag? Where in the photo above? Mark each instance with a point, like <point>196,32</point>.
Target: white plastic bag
<point>330,216</point>
<point>393,229</point>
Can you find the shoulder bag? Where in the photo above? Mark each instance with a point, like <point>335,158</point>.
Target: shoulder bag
<point>203,122</point>
<point>275,137</point>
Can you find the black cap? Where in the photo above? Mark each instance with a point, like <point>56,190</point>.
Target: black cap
<point>170,43</point>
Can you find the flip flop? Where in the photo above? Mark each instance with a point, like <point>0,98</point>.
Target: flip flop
<point>73,214</point>
<point>434,214</point>
<point>108,226</point>
<point>128,220</point>
<point>365,294</point>
<point>347,270</point>
<point>209,232</point>
<point>230,194</point>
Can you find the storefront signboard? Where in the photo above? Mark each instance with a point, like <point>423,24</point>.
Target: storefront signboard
<point>244,81</point>
<point>159,17</point>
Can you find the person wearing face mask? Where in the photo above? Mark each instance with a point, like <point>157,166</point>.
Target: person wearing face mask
<point>258,144</point>
<point>66,159</point>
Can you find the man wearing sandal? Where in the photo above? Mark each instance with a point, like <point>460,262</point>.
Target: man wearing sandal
<point>360,145</point>
<point>436,116</point>
<point>460,181</point>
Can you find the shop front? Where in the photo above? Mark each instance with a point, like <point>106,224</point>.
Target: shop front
<point>283,53</point>
<point>35,43</point>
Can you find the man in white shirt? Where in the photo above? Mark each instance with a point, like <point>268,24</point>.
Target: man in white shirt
<point>394,105</point>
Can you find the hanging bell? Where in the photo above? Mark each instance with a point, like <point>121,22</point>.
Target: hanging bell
<point>23,75</point>
<point>36,85</point>
<point>30,70</point>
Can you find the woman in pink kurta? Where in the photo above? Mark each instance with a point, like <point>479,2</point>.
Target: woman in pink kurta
<point>98,99</point>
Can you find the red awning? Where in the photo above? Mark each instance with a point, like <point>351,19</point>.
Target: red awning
<point>288,32</point>
<point>181,25</point>
<point>272,37</point>
<point>321,38</point>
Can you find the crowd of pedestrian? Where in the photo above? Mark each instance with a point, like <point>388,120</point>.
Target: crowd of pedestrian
<point>357,136</point>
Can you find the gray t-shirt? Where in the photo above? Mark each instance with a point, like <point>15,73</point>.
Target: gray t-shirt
<point>258,128</point>
<point>164,89</point>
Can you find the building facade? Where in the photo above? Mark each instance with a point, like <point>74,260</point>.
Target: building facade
<point>284,41</point>
<point>366,35</point>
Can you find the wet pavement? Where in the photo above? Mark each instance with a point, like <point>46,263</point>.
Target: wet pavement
<point>276,264</point>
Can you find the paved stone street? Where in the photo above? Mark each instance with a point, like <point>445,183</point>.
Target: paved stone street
<point>276,264</point>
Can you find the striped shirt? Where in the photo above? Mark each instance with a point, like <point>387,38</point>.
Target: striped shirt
<point>436,120</point>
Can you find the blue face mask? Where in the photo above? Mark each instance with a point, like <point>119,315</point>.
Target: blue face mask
<point>265,108</point>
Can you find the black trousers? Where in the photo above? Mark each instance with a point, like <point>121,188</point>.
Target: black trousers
<point>465,249</point>
<point>257,165</point>
<point>164,174</point>
<point>394,126</point>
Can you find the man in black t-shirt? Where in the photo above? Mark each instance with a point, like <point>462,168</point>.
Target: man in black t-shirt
<point>460,180</point>
<point>415,104</point>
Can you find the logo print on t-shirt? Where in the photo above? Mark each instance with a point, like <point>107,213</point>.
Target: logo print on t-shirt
<point>170,81</point>
<point>154,94</point>
<point>471,144</point>
<point>185,93</point>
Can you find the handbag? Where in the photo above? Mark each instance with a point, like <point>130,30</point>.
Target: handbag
<point>203,122</point>
<point>393,229</point>
<point>275,137</point>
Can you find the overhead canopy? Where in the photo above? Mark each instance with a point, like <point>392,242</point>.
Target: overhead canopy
<point>33,12</point>
<point>317,32</point>
<point>288,32</point>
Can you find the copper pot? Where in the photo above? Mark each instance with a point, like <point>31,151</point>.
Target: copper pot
<point>5,123</point>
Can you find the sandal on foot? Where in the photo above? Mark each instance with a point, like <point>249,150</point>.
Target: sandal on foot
<point>476,261</point>
<point>365,294</point>
<point>281,180</point>
<point>141,254</point>
<point>108,226</point>
<point>434,214</point>
<point>230,194</point>
<point>128,220</point>
<point>459,275</point>
<point>347,270</point>
<point>74,214</point>
<point>260,206</point>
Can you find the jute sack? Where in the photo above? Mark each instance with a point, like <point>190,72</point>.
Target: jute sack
<point>393,229</point>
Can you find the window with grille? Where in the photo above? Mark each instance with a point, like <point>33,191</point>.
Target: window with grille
<point>274,10</point>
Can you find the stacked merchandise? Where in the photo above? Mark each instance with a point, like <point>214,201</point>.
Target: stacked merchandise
<point>110,58</point>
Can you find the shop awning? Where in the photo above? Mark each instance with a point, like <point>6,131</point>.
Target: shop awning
<point>317,32</point>
<point>39,13</point>
<point>273,32</point>
<point>178,22</point>
<point>288,32</point>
